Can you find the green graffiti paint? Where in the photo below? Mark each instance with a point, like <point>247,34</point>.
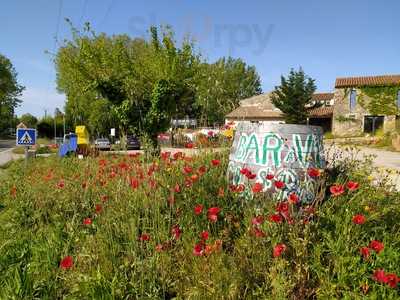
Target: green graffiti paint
<point>252,147</point>
<point>303,151</point>
<point>273,150</point>
<point>240,149</point>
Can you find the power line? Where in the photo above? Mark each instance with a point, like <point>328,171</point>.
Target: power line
<point>84,7</point>
<point>57,30</point>
<point>110,6</point>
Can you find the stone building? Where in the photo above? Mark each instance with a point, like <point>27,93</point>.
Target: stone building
<point>259,109</point>
<point>365,104</point>
<point>358,105</point>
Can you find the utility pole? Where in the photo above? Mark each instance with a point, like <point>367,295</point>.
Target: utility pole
<point>55,126</point>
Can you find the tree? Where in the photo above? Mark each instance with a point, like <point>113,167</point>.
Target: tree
<point>100,118</point>
<point>10,91</point>
<point>29,120</point>
<point>294,96</point>
<point>222,85</point>
<point>146,83</point>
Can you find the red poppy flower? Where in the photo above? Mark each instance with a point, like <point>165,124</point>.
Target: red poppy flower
<point>352,185</point>
<point>178,155</point>
<point>258,220</point>
<point>177,188</point>
<point>204,235</point>
<point>215,162</point>
<point>198,209</point>
<point>212,217</point>
<point>240,188</point>
<point>144,237</point>
<point>257,187</point>
<point>98,208</point>
<point>202,170</point>
<point>270,176</point>
<point>61,184</point>
<point>189,145</point>
<point>245,171</point>
<point>176,232</point>
<point>282,207</point>
<point>293,198</point>
<point>165,155</point>
<point>214,210</point>
<point>198,249</point>
<point>392,280</point>
<point>251,176</point>
<point>376,245</point>
<point>336,190</point>
<point>188,182</point>
<point>208,249</point>
<point>275,218</point>
<point>194,177</point>
<point>380,276</point>
<point>102,162</point>
<point>365,252</point>
<point>279,184</point>
<point>48,177</point>
<point>134,183</point>
<point>279,249</point>
<point>67,262</point>
<point>313,172</point>
<point>187,169</point>
<point>257,232</point>
<point>87,221</point>
<point>359,219</point>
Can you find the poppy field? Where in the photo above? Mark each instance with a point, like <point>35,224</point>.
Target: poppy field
<point>123,227</point>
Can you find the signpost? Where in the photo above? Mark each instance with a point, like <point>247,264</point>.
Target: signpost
<point>25,137</point>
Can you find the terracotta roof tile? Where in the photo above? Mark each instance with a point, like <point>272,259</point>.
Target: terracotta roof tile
<point>367,81</point>
<point>323,96</point>
<point>323,111</point>
<point>249,112</point>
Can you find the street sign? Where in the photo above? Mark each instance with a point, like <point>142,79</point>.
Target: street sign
<point>26,137</point>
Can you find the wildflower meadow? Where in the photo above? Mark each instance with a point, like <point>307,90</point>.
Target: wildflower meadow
<point>171,227</point>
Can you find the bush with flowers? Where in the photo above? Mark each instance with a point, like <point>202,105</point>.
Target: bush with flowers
<point>120,227</point>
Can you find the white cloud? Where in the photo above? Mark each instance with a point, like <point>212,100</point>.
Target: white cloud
<point>38,100</point>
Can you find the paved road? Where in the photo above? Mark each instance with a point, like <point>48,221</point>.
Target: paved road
<point>6,144</point>
<point>382,159</point>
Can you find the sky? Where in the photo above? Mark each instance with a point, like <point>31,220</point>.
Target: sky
<point>328,39</point>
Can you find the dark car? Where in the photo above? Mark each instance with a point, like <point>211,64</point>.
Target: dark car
<point>132,143</point>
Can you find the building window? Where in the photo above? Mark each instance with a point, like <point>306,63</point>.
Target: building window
<point>398,99</point>
<point>353,100</point>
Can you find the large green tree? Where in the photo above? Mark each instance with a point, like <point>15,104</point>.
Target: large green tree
<point>29,120</point>
<point>294,96</point>
<point>222,85</point>
<point>142,83</point>
<point>10,91</point>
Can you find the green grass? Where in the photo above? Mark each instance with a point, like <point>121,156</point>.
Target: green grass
<point>42,222</point>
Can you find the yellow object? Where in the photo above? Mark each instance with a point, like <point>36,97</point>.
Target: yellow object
<point>228,133</point>
<point>82,134</point>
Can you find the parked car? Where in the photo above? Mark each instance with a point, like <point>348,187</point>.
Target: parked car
<point>102,144</point>
<point>132,143</point>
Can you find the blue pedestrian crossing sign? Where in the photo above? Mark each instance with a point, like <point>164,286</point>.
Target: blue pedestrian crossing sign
<point>26,136</point>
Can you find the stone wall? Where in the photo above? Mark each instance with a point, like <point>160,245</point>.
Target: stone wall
<point>351,123</point>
